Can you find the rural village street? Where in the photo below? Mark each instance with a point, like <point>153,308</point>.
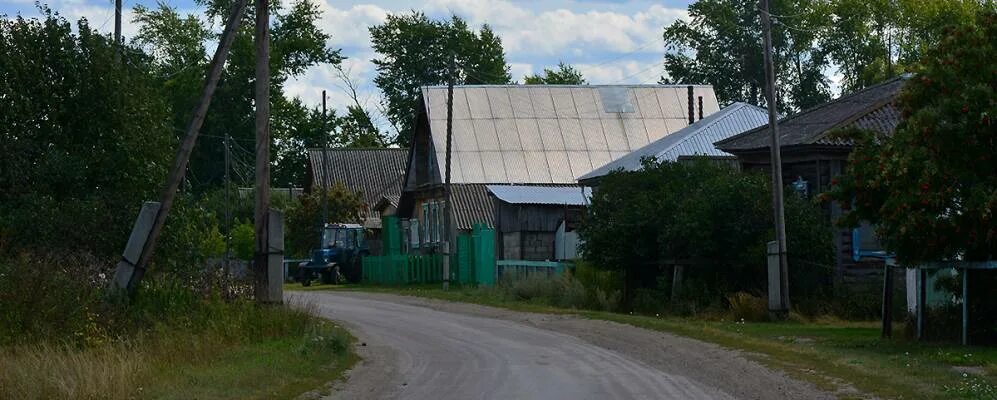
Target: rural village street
<point>426,349</point>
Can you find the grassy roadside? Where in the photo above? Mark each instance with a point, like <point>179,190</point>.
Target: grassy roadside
<point>832,354</point>
<point>248,352</point>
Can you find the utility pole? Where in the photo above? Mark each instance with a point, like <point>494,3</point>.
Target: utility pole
<point>777,203</point>
<point>448,225</point>
<point>128,275</point>
<point>262,215</point>
<point>117,22</point>
<point>226,268</point>
<point>325,172</point>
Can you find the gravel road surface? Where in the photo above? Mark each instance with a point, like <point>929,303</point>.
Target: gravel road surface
<point>414,348</point>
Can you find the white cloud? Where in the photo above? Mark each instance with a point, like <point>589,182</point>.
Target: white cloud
<point>556,32</point>
<point>622,71</point>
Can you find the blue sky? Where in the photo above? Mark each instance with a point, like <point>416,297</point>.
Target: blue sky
<point>609,41</point>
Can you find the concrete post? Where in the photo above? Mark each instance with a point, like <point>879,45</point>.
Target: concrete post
<point>275,259</point>
<point>774,279</point>
<point>133,250</point>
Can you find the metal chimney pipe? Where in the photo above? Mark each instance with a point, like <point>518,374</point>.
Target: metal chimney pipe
<point>692,115</point>
<point>700,107</point>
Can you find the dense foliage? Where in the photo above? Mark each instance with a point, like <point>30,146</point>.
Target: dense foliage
<point>712,219</point>
<point>297,43</point>
<point>565,74</point>
<point>83,133</point>
<point>931,187</point>
<point>865,41</point>
<point>416,51</point>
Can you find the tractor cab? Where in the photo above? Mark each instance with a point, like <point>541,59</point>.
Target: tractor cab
<point>338,258</point>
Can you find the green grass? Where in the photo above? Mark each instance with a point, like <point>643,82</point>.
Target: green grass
<point>273,369</point>
<point>830,353</point>
<point>234,350</point>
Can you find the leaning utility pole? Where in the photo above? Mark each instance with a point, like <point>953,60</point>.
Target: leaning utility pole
<point>262,215</point>
<point>325,172</point>
<point>448,224</point>
<point>129,273</point>
<point>777,203</point>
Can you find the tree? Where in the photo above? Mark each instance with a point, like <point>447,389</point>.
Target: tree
<point>84,132</point>
<point>931,187</point>
<point>721,45</point>
<point>296,45</point>
<point>415,51</point>
<point>873,40</point>
<point>712,218</point>
<point>565,74</point>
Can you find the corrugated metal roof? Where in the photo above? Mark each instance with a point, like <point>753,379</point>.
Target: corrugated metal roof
<point>871,107</point>
<point>472,205</point>
<point>559,195</point>
<point>695,139</point>
<point>375,173</point>
<point>547,134</point>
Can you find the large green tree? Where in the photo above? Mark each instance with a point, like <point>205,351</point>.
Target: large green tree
<point>872,40</point>
<point>721,45</point>
<point>296,45</point>
<point>931,187</point>
<point>416,51</point>
<point>84,132</point>
<point>565,74</point>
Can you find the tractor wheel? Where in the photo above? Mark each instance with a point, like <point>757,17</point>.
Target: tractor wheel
<point>327,278</point>
<point>306,282</point>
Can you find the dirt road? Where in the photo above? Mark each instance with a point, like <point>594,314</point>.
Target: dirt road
<point>426,349</point>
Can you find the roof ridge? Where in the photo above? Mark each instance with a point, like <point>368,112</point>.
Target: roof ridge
<point>814,108</point>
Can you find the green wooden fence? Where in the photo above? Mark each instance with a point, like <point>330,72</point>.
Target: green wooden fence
<point>521,268</point>
<point>473,262</point>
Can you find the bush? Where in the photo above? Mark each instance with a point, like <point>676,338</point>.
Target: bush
<point>708,216</point>
<point>748,307</point>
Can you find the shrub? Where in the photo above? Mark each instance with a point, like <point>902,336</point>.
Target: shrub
<point>748,307</point>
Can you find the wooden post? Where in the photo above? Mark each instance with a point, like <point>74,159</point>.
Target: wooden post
<point>887,301</point>
<point>922,303</point>
<point>776,154</point>
<point>117,23</point>
<point>447,209</point>
<point>130,279</point>
<point>325,174</point>
<point>677,282</point>
<point>965,306</point>
<point>261,218</point>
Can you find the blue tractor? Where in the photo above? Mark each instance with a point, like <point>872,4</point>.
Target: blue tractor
<point>338,259</point>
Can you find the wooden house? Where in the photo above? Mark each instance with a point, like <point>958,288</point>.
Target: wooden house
<point>527,135</point>
<point>812,156</point>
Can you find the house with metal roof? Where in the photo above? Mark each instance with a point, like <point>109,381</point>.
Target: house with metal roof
<point>374,173</point>
<point>694,140</point>
<point>812,156</point>
<point>530,135</point>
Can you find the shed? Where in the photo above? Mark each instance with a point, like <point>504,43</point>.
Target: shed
<point>537,223</point>
<point>531,135</point>
<point>693,140</point>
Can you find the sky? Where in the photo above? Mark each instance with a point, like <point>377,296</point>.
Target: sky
<point>611,42</point>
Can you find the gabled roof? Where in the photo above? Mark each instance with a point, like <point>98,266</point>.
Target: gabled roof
<point>551,195</point>
<point>551,134</point>
<point>869,108</point>
<point>693,140</point>
<point>375,173</point>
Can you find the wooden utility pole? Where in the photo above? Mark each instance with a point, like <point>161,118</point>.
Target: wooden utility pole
<point>117,22</point>
<point>447,210</point>
<point>226,268</point>
<point>129,279</point>
<point>262,218</point>
<point>777,195</point>
<point>325,173</point>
